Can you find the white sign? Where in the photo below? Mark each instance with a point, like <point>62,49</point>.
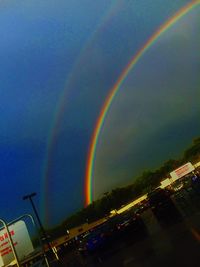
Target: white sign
<point>182,171</point>
<point>21,240</point>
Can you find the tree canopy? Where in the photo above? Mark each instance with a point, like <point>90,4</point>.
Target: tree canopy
<point>120,196</point>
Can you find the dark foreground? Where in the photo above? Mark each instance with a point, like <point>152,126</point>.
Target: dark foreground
<point>174,244</point>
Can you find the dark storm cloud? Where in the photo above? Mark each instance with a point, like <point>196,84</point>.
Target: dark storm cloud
<point>155,113</point>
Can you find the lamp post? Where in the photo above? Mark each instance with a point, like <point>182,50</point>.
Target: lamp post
<point>29,197</point>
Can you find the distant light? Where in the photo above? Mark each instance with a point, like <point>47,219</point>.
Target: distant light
<point>165,183</point>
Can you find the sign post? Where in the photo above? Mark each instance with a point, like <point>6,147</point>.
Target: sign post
<point>8,235</point>
<point>34,224</point>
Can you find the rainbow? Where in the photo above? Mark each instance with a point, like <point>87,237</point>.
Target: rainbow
<point>112,93</point>
<point>113,9</point>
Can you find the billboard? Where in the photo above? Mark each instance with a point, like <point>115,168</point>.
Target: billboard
<point>21,240</point>
<point>182,171</point>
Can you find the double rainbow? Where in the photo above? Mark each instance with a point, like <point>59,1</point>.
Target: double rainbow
<point>112,93</point>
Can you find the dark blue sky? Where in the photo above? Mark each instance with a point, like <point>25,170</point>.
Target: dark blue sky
<point>59,60</point>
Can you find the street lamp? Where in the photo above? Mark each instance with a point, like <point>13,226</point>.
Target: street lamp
<point>29,197</point>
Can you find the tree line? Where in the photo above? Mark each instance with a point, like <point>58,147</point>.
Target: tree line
<point>122,195</point>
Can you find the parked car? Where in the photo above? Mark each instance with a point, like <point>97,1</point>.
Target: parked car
<point>162,205</point>
<point>94,240</point>
<point>127,225</point>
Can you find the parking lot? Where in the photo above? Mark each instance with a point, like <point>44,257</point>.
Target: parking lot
<point>174,244</point>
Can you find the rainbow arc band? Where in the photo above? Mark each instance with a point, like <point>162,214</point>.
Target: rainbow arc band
<point>112,93</point>
<point>113,8</point>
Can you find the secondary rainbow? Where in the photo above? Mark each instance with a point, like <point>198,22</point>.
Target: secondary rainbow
<point>106,18</point>
<point>105,108</point>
